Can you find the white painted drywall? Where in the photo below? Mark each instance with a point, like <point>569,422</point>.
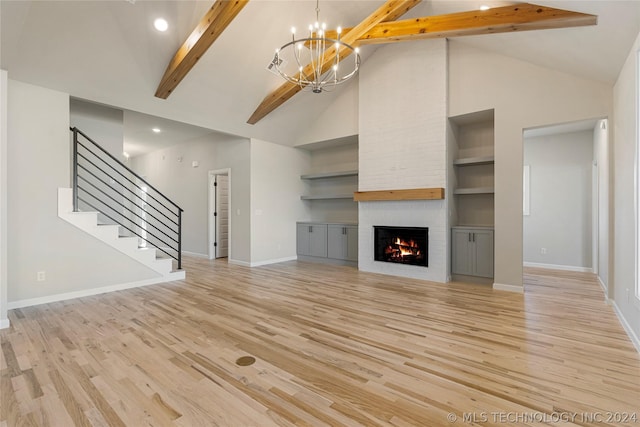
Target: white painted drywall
<point>4,321</point>
<point>625,122</point>
<point>523,96</point>
<point>104,125</point>
<point>340,119</point>
<point>601,156</point>
<point>39,163</point>
<point>561,200</point>
<point>275,200</point>
<point>171,171</point>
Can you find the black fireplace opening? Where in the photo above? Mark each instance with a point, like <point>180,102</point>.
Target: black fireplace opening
<point>402,245</point>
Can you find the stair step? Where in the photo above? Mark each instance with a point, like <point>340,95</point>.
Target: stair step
<point>110,234</point>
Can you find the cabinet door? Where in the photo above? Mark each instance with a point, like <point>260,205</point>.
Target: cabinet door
<point>336,242</point>
<point>351,252</point>
<point>318,240</point>
<point>302,239</point>
<point>461,252</point>
<point>483,253</point>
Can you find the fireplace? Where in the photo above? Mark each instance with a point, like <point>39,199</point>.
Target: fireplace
<point>402,245</point>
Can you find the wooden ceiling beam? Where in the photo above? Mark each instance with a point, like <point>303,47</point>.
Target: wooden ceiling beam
<point>390,10</point>
<point>518,17</point>
<point>208,30</point>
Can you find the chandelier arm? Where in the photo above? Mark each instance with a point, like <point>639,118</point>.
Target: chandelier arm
<point>311,74</point>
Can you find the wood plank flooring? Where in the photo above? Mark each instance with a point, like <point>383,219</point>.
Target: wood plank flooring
<point>333,346</point>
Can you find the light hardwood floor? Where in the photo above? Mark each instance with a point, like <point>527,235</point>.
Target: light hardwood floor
<point>333,346</point>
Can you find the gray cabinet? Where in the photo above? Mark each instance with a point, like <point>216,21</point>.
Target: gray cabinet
<point>312,239</point>
<point>331,243</point>
<point>472,251</point>
<point>342,242</point>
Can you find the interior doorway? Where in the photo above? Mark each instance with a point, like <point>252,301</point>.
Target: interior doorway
<point>566,198</point>
<point>219,184</point>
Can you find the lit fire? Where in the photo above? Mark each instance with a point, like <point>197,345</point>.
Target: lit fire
<point>402,248</point>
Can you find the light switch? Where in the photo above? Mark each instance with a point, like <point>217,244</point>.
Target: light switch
<point>194,164</point>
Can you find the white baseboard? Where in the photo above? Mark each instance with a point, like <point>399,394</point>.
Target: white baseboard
<point>4,323</point>
<point>195,254</point>
<point>632,335</point>
<point>558,267</point>
<point>508,288</point>
<point>273,261</point>
<point>179,275</point>
<point>260,263</point>
<point>604,287</point>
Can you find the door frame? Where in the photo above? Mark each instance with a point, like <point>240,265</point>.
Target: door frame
<point>211,234</point>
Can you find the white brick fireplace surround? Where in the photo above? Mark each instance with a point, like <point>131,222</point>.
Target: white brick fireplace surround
<point>402,145</point>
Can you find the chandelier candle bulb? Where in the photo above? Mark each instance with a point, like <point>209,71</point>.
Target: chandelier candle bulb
<point>316,59</point>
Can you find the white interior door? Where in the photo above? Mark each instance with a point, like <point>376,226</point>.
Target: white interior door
<point>222,216</point>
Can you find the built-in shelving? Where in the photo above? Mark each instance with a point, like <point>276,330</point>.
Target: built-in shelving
<point>472,161</point>
<point>472,168</point>
<point>329,174</point>
<point>327,186</point>
<point>327,197</point>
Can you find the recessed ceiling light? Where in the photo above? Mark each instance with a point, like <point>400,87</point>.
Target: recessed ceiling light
<point>161,24</point>
<point>156,130</point>
<point>484,7</point>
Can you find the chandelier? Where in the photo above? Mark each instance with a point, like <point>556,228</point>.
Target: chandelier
<point>316,58</point>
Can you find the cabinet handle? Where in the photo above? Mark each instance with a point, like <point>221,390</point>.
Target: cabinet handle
<point>469,236</point>
<point>344,230</point>
<point>474,237</point>
<point>311,229</point>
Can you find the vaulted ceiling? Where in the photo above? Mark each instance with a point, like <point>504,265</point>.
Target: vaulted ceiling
<point>108,52</point>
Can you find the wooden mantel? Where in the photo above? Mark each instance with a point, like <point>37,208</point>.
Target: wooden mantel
<point>410,194</point>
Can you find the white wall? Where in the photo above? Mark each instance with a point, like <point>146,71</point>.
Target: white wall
<point>275,200</point>
<point>625,122</point>
<point>4,322</point>
<point>602,158</point>
<point>39,163</point>
<point>104,125</point>
<point>561,200</point>
<point>402,145</point>
<point>523,96</point>
<point>170,170</point>
<point>340,119</point>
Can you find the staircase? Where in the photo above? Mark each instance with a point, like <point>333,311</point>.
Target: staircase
<point>118,207</point>
<point>110,234</point>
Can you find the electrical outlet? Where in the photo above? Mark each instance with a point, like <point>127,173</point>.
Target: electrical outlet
<point>543,251</point>
<point>41,276</point>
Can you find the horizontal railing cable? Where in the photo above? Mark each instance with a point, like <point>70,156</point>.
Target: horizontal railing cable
<point>126,198</point>
<point>119,203</point>
<point>103,183</point>
<point>124,226</point>
<point>126,168</point>
<point>120,173</point>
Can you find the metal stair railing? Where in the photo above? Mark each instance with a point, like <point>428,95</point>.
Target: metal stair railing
<point>104,184</point>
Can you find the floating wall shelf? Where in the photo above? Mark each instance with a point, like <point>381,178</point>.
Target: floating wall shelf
<point>477,190</point>
<point>328,197</point>
<point>471,161</point>
<point>329,174</point>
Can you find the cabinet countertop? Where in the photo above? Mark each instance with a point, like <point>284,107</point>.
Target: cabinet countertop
<point>327,223</point>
